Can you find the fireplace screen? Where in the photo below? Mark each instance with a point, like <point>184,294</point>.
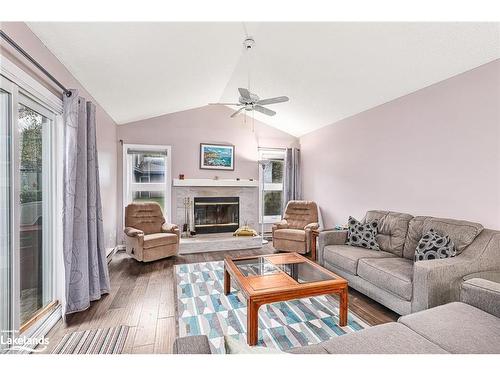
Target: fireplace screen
<point>216,214</point>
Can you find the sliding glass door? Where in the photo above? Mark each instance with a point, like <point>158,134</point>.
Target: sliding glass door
<point>5,219</point>
<point>27,210</point>
<point>34,173</point>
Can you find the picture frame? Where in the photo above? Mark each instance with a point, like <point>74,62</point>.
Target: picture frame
<point>216,156</point>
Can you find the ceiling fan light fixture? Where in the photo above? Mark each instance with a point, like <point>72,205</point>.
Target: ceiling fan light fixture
<point>249,42</point>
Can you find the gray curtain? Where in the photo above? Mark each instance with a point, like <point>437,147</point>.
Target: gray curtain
<point>293,183</point>
<point>86,270</point>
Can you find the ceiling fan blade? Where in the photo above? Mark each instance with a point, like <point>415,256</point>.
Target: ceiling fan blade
<point>264,110</point>
<point>236,113</point>
<point>278,99</point>
<point>245,93</point>
<point>238,104</point>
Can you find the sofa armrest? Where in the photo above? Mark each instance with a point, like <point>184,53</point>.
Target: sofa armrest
<point>483,294</point>
<point>192,345</point>
<point>133,232</point>
<point>436,282</point>
<point>330,237</point>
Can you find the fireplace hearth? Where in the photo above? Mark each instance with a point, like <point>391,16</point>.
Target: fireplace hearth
<point>216,214</point>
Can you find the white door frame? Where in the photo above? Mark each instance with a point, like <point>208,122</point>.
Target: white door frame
<point>27,91</point>
<point>168,176</point>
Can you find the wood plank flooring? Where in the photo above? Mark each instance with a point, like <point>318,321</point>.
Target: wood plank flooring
<point>142,297</point>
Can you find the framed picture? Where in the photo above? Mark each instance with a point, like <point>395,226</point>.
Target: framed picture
<point>213,156</point>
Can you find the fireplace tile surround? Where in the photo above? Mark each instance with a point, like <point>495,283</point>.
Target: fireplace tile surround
<point>248,214</point>
<point>248,201</point>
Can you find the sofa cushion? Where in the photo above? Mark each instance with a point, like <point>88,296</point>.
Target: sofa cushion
<point>159,239</point>
<point>482,293</point>
<point>392,274</point>
<point>290,234</point>
<point>347,257</point>
<point>392,229</point>
<point>362,234</point>
<point>461,232</point>
<point>433,245</point>
<point>390,338</point>
<point>457,328</point>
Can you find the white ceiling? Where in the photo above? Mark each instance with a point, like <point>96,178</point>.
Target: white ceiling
<point>330,71</point>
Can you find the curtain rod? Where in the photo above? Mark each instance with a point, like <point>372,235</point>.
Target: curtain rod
<point>34,62</point>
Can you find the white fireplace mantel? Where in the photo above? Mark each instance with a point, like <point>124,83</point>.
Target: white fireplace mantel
<point>212,182</point>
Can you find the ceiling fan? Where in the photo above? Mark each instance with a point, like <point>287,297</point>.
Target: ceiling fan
<point>249,101</point>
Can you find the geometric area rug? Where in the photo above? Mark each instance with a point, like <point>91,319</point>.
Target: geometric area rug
<point>203,309</point>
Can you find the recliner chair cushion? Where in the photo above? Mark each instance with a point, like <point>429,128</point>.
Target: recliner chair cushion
<point>159,239</point>
<point>347,257</point>
<point>145,216</point>
<point>290,234</point>
<point>300,213</point>
<point>394,275</point>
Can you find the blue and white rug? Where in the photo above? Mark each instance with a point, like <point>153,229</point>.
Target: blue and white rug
<point>203,309</point>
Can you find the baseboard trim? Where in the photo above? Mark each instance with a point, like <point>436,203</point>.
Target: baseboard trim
<point>111,252</point>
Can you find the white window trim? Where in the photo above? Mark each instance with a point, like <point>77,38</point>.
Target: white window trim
<point>168,177</point>
<point>270,153</point>
<point>32,87</point>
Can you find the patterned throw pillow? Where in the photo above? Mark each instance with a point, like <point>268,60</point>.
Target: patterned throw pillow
<point>433,245</point>
<point>362,235</point>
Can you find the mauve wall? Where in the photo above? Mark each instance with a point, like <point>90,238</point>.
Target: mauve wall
<point>433,152</point>
<point>106,127</point>
<point>185,130</point>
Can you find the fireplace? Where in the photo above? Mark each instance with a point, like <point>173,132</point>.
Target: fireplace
<point>216,214</point>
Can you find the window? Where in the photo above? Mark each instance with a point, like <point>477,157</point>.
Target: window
<point>273,177</point>
<point>147,175</point>
<point>28,206</point>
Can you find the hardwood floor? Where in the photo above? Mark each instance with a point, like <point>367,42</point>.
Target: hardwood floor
<point>142,297</point>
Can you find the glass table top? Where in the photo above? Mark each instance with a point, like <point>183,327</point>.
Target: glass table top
<point>487,275</point>
<point>301,271</point>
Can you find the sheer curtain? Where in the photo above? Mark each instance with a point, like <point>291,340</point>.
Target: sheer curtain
<point>86,270</point>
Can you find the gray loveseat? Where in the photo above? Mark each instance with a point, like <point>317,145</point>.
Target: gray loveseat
<point>392,278</point>
<point>470,326</point>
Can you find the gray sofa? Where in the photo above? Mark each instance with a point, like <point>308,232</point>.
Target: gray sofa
<point>471,326</point>
<point>392,278</point>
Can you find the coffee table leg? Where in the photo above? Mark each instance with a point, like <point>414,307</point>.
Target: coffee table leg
<point>252,322</point>
<point>344,297</point>
<point>227,282</point>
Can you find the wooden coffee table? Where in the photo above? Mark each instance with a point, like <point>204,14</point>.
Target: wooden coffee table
<point>280,277</point>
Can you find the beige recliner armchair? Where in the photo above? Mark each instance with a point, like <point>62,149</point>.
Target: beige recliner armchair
<point>293,233</point>
<point>148,237</point>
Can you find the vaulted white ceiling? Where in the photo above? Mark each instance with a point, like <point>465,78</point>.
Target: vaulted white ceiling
<point>330,71</point>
